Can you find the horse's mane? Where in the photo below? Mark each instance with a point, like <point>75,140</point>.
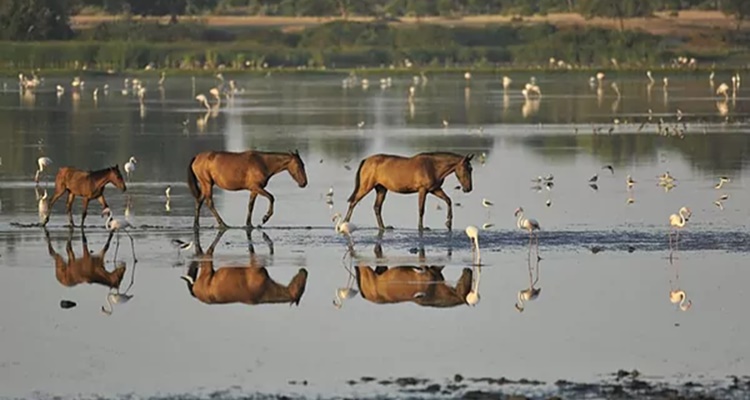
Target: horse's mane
<point>102,170</point>
<point>441,153</point>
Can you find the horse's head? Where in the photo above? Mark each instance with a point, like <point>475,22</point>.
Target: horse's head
<point>463,173</point>
<point>297,169</point>
<point>116,178</point>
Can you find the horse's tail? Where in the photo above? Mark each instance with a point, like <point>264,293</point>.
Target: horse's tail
<point>356,181</point>
<point>192,180</point>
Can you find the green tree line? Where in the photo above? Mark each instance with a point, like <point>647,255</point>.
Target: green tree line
<point>49,19</point>
<point>393,8</point>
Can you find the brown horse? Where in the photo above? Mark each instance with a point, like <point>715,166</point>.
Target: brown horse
<point>239,284</point>
<point>87,184</point>
<point>87,269</point>
<point>423,173</point>
<point>249,170</point>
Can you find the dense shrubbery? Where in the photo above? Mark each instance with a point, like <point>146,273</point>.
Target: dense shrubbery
<point>337,44</point>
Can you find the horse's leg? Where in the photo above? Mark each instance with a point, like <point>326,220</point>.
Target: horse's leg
<point>269,196</point>
<point>57,195</point>
<point>250,206</point>
<point>85,210</point>
<point>69,207</point>
<point>422,198</point>
<point>209,196</point>
<point>439,193</point>
<point>198,204</point>
<point>363,191</point>
<point>381,191</point>
<point>102,201</point>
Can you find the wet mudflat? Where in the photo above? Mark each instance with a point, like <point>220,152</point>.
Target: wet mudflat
<point>606,276</point>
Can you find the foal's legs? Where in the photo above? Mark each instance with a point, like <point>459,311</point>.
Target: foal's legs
<point>439,193</point>
<point>422,198</point>
<point>269,212</point>
<point>381,191</point>
<point>69,207</point>
<point>250,206</point>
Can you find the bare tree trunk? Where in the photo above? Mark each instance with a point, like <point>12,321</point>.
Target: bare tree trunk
<point>570,5</point>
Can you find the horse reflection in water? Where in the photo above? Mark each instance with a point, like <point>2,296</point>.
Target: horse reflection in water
<point>238,284</point>
<point>88,268</point>
<point>420,284</point>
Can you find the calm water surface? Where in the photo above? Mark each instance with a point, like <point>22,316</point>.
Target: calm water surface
<point>596,313</point>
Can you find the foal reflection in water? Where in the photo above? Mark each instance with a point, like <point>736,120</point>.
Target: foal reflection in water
<point>88,268</point>
<point>234,284</point>
<point>421,284</point>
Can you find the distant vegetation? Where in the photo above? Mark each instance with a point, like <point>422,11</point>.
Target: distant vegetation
<point>38,34</point>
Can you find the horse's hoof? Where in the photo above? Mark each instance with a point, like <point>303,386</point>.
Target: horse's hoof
<point>265,219</point>
<point>389,228</point>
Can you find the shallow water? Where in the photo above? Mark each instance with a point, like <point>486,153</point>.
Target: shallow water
<point>597,313</point>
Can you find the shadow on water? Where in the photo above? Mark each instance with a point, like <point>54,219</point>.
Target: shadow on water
<point>250,284</point>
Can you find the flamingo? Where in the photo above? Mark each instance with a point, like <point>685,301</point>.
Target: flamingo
<point>42,162</point>
<point>141,94</point>
<point>113,224</point>
<point>526,295</point>
<point>202,99</point>
<point>115,298</point>
<point>723,89</point>
<point>473,233</point>
<point>130,166</point>
<point>342,294</point>
<point>344,228</point>
<point>506,82</point>
<point>528,224</point>
<point>43,206</point>
<point>215,93</point>
<point>162,78</point>
<point>600,76</point>
<point>679,296</point>
<point>649,76</point>
<point>678,221</point>
<point>347,292</point>
<point>467,75</point>
<point>472,298</point>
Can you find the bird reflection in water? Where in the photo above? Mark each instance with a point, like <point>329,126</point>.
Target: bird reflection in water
<point>532,292</point>
<point>676,295</point>
<point>88,268</point>
<point>421,284</point>
<point>115,296</point>
<point>249,284</point>
<point>346,292</point>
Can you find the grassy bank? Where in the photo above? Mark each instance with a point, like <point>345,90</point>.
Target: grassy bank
<point>133,44</point>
